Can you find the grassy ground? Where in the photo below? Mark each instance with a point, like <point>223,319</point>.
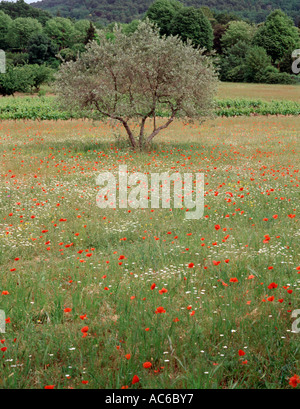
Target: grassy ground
<point>222,325</point>
<point>267,92</point>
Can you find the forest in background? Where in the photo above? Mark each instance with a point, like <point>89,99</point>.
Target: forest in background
<point>36,42</point>
<point>107,11</point>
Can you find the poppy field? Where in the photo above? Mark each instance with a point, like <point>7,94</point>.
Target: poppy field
<point>144,298</point>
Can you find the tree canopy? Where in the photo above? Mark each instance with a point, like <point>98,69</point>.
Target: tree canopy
<point>190,23</point>
<point>124,11</point>
<point>238,31</point>
<point>277,35</point>
<point>162,13</point>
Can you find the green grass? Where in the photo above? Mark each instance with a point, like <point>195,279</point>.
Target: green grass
<point>266,92</point>
<point>48,170</point>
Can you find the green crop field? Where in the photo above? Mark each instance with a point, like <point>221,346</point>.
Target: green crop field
<point>46,108</point>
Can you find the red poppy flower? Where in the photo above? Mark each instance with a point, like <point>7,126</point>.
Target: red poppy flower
<point>163,290</point>
<point>160,310</point>
<point>294,381</point>
<point>135,379</point>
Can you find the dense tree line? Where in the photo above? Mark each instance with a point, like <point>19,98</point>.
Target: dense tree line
<point>260,53</point>
<point>22,9</point>
<point>36,43</point>
<point>246,51</point>
<point>107,11</point>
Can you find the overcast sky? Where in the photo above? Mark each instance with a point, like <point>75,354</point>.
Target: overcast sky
<point>26,1</point>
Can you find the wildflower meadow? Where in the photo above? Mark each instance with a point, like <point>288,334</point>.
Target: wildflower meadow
<point>145,298</point>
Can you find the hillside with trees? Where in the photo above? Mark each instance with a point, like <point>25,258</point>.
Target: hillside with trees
<point>22,9</point>
<point>124,11</point>
<point>37,43</point>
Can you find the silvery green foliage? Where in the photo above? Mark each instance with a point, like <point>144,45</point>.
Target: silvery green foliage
<point>134,76</point>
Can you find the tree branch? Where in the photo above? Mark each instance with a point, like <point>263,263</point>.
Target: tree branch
<point>157,130</point>
<point>122,120</point>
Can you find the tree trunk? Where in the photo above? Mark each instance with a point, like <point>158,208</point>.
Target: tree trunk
<point>142,133</point>
<point>130,134</point>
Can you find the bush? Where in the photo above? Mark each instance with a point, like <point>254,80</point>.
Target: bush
<point>14,80</point>
<point>271,77</point>
<point>25,78</point>
<point>16,59</point>
<point>257,63</point>
<point>37,75</point>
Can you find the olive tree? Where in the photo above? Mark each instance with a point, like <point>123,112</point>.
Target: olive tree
<point>134,77</point>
